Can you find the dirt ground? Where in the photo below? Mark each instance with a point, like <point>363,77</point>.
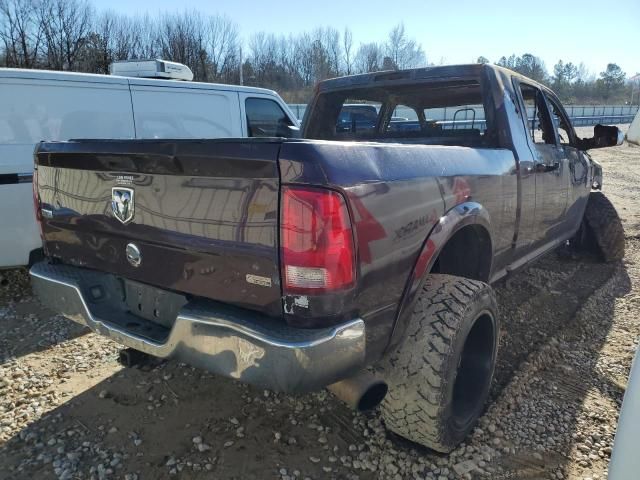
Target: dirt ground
<point>570,328</point>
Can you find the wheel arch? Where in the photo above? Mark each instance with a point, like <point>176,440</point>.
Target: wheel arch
<point>466,225</point>
<point>467,253</point>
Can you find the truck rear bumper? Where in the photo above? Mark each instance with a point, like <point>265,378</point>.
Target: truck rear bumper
<point>228,341</point>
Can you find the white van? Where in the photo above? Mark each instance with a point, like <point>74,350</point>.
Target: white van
<point>40,105</point>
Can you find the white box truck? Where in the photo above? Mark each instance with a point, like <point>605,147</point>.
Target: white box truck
<point>44,105</point>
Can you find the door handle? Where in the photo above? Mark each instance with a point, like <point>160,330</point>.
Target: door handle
<point>543,167</point>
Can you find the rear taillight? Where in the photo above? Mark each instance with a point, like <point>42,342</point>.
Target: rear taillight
<point>316,241</point>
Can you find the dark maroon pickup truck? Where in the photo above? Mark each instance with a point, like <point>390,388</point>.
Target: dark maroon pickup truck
<point>357,257</point>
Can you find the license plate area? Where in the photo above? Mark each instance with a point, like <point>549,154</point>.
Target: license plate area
<point>153,304</point>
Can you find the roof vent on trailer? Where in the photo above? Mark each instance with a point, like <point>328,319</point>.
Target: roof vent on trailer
<point>151,69</point>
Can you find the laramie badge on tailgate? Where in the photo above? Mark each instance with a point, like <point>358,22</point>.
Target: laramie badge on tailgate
<point>122,203</point>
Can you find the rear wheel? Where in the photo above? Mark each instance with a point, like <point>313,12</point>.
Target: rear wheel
<point>439,378</point>
<point>601,231</point>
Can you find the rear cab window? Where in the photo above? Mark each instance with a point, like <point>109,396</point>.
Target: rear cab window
<point>432,112</point>
<point>265,118</point>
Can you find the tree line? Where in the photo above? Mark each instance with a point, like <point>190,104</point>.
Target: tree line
<point>573,83</point>
<point>72,35</point>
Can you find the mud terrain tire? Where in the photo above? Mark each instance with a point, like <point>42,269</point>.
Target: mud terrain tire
<point>439,377</point>
<point>602,228</point>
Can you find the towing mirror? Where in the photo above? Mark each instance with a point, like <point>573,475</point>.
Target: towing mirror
<point>605,136</point>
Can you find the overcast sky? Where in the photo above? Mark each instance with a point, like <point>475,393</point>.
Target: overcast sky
<point>450,31</point>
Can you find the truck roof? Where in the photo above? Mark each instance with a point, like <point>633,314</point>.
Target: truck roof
<point>413,75</point>
<point>115,79</point>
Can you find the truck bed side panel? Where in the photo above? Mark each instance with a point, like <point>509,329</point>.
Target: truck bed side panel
<point>397,194</point>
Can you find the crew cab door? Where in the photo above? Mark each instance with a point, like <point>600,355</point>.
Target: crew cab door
<point>576,165</point>
<point>549,169</point>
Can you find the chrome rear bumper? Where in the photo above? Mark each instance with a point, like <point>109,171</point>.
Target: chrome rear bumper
<point>228,341</point>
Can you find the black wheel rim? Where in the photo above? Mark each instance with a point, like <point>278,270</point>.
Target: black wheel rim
<point>475,369</point>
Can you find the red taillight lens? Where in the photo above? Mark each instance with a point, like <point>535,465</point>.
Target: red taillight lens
<point>316,241</point>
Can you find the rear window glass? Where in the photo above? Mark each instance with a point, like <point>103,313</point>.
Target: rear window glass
<point>451,113</point>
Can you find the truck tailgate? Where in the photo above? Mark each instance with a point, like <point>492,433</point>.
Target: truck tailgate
<point>201,216</point>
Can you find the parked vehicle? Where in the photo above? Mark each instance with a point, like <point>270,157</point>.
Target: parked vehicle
<point>633,134</point>
<point>44,105</point>
<point>359,115</point>
<point>359,259</point>
<point>624,458</point>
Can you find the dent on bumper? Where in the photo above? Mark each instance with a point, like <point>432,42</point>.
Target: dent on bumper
<point>227,341</point>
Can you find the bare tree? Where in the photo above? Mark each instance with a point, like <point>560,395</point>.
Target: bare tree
<point>302,58</point>
<point>331,44</point>
<point>403,51</point>
<point>263,56</point>
<point>181,37</point>
<point>98,51</point>
<point>124,38</point>
<point>145,41</point>
<point>223,42</point>
<point>20,33</point>
<point>65,24</point>
<point>369,57</point>
<point>347,47</point>
<point>110,39</point>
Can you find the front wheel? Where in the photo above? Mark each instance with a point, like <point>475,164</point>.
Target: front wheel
<point>439,377</point>
<point>601,230</point>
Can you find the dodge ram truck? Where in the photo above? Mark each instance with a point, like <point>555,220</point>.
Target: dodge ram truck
<point>358,257</point>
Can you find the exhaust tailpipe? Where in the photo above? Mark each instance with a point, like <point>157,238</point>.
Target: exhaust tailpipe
<point>361,392</point>
<point>130,357</point>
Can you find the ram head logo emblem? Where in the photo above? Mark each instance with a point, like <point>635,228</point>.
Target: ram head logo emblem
<point>122,204</point>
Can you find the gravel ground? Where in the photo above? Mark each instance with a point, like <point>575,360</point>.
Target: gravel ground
<point>570,328</point>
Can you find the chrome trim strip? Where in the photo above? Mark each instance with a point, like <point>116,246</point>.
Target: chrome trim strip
<point>235,345</point>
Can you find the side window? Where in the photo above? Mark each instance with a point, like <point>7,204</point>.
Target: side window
<point>560,122</point>
<point>265,118</point>
<point>538,120</point>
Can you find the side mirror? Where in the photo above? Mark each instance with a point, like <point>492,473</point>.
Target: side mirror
<point>287,131</point>
<point>604,136</point>
<point>293,132</point>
